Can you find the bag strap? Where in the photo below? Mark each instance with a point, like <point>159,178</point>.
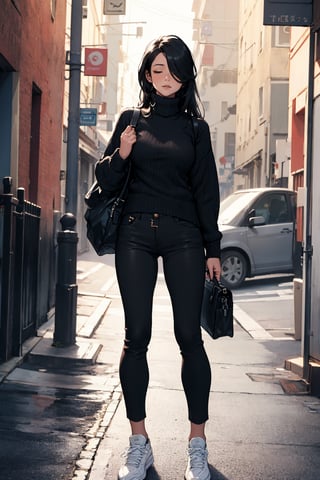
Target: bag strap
<point>135,117</point>
<point>95,185</point>
<point>195,125</point>
<point>133,123</point>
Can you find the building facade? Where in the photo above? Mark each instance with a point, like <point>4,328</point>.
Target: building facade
<point>262,100</point>
<point>215,37</point>
<point>300,120</point>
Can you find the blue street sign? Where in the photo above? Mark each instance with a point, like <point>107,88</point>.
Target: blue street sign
<point>88,116</point>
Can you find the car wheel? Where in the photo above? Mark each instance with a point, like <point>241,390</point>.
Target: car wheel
<point>233,268</point>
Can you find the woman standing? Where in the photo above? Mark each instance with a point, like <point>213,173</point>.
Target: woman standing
<point>171,212</point>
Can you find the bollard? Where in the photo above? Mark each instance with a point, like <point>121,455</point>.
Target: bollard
<point>66,288</point>
<point>7,184</point>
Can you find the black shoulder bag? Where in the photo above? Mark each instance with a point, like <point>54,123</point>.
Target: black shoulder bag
<point>103,211</point>
<point>217,310</point>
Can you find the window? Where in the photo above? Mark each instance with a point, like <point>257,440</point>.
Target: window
<point>34,152</point>
<point>281,36</point>
<point>214,139</point>
<point>224,110</point>
<point>84,8</point>
<point>223,76</point>
<point>229,144</point>
<point>318,47</point>
<point>274,209</point>
<point>206,29</point>
<point>206,105</point>
<point>261,101</point>
<point>53,9</point>
<point>261,41</point>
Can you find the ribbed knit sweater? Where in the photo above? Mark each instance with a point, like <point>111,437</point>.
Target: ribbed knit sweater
<point>173,169</point>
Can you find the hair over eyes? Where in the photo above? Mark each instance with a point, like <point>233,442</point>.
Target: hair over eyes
<point>182,68</point>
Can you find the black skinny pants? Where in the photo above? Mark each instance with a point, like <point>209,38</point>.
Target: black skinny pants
<point>142,239</point>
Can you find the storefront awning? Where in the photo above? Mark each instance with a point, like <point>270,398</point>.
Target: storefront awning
<point>246,166</point>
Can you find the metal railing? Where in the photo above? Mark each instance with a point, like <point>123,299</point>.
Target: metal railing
<point>19,260</point>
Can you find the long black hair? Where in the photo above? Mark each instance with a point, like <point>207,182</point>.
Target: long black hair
<point>182,68</point>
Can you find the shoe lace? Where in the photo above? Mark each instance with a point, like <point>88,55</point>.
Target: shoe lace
<point>133,455</point>
<point>198,457</point>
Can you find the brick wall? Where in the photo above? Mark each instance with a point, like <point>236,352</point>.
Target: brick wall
<point>33,44</point>
<point>10,33</point>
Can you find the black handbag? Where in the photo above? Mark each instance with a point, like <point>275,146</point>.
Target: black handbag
<point>104,212</point>
<point>103,217</point>
<point>217,309</point>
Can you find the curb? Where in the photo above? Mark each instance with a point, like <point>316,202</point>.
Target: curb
<point>40,348</point>
<point>90,465</point>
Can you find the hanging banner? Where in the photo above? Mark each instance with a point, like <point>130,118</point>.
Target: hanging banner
<point>95,63</point>
<point>294,13</point>
<point>208,55</point>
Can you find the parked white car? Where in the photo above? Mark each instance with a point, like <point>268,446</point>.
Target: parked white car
<point>258,227</point>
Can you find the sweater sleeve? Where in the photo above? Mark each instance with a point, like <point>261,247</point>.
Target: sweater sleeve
<point>205,187</point>
<point>111,170</point>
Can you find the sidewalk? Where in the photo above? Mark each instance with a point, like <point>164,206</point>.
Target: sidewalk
<point>257,430</point>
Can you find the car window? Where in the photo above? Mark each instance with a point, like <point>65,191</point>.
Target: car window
<point>273,207</point>
<point>232,205</point>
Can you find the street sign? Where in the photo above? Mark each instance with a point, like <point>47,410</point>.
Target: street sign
<point>88,116</point>
<point>294,13</point>
<point>114,7</point>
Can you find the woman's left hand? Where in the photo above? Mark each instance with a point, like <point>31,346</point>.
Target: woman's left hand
<point>213,268</point>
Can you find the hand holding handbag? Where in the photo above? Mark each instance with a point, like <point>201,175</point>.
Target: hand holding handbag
<point>103,213</point>
<point>217,309</point>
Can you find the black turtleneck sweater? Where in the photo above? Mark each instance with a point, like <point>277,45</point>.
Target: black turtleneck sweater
<point>173,169</point>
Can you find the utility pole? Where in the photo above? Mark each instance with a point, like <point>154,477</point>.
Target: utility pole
<point>74,62</point>
<point>66,287</point>
<point>307,247</point>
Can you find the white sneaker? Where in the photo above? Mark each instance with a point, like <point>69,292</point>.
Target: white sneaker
<point>197,468</point>
<point>139,458</point>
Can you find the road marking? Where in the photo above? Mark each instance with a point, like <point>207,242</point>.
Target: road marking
<point>109,283</point>
<point>82,276</point>
<point>263,299</point>
<point>286,291</point>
